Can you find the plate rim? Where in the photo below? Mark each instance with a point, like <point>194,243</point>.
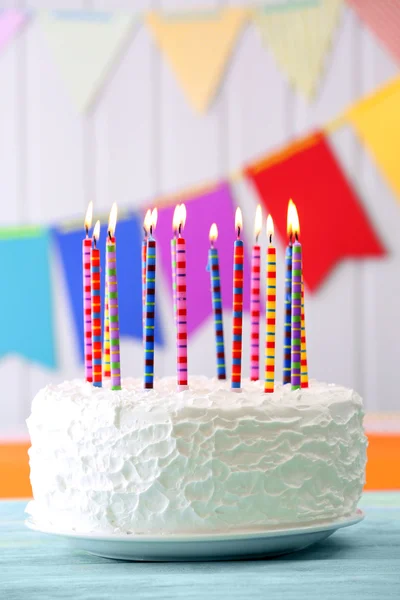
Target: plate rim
<point>355,517</point>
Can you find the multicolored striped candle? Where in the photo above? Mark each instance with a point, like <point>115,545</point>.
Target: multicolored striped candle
<point>175,227</point>
<point>270,312</point>
<point>96,308</point>
<point>181,308</point>
<point>112,283</point>
<point>150,305</point>
<point>304,365</point>
<point>287,336</point>
<point>146,229</point>
<point>106,343</point>
<point>87,295</point>
<point>255,300</point>
<point>297,270</point>
<point>237,324</point>
<point>216,299</point>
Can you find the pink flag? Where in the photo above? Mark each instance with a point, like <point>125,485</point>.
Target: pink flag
<point>213,205</point>
<point>383,18</point>
<point>11,21</point>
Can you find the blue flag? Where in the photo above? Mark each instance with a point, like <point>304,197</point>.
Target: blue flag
<point>129,270</point>
<point>26,308</point>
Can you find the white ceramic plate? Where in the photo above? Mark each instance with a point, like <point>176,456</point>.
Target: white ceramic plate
<point>246,544</point>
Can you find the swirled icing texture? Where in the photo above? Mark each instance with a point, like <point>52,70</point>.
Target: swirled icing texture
<point>201,460</point>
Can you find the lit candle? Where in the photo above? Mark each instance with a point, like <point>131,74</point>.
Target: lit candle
<point>255,300</point>
<point>297,269</point>
<point>150,306</point>
<point>96,308</point>
<point>287,339</point>
<point>87,295</point>
<point>175,227</point>
<point>106,344</point>
<point>146,228</point>
<point>270,312</point>
<point>112,283</point>
<point>237,324</point>
<point>216,299</point>
<point>304,365</point>
<point>181,308</point>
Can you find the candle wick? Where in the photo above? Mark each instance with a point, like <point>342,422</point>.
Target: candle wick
<point>87,230</point>
<point>291,238</point>
<point>180,229</point>
<point>151,230</point>
<point>257,238</point>
<point>238,232</point>
<point>109,235</point>
<point>212,244</point>
<point>297,236</point>
<point>270,238</point>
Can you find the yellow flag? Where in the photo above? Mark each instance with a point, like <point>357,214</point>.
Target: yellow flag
<point>198,48</point>
<point>376,120</point>
<point>299,35</point>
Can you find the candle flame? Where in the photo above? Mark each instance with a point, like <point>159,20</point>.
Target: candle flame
<point>213,233</point>
<point>89,216</point>
<point>176,218</point>
<point>258,222</point>
<point>147,221</point>
<point>270,227</point>
<point>112,220</point>
<point>96,232</point>
<point>238,220</point>
<point>182,215</point>
<point>154,218</point>
<point>293,220</point>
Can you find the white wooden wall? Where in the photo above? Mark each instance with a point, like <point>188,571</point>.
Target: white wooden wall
<point>143,139</point>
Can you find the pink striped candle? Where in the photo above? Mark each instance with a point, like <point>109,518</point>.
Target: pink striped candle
<point>181,308</point>
<point>175,227</point>
<point>87,296</point>
<point>112,283</point>
<point>146,228</point>
<point>255,300</point>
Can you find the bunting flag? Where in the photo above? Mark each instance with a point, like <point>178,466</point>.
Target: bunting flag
<point>383,18</point>
<point>11,21</point>
<point>85,45</point>
<point>212,205</point>
<point>26,306</point>
<point>198,48</point>
<point>334,225</point>
<point>300,36</point>
<point>376,120</point>
<point>128,237</point>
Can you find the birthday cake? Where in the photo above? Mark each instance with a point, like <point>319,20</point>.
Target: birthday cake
<point>195,461</point>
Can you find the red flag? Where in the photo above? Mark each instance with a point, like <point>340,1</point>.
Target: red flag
<point>383,18</point>
<point>333,224</point>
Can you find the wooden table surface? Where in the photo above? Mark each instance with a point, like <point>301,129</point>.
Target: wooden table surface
<point>361,562</point>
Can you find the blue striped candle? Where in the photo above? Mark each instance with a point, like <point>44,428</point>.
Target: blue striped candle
<point>216,299</point>
<point>149,313</point>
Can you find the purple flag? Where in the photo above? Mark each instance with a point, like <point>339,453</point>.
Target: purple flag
<point>10,22</point>
<point>214,205</point>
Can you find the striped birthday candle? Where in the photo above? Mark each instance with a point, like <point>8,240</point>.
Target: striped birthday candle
<point>287,334</point>
<point>149,316</point>
<point>112,282</point>
<point>106,343</point>
<point>96,309</point>
<point>175,227</point>
<point>181,310</point>
<point>87,296</point>
<point>216,300</point>
<point>237,324</point>
<point>146,228</point>
<point>270,312</point>
<point>304,365</point>
<point>297,271</point>
<point>255,300</point>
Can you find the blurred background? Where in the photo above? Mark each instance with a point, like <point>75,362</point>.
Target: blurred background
<point>159,119</point>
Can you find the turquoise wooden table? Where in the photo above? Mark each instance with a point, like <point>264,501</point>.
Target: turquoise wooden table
<point>360,562</point>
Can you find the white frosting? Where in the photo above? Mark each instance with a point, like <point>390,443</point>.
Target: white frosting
<point>201,460</point>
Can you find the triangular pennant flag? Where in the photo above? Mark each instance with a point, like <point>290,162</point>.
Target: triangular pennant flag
<point>11,21</point>
<point>203,208</point>
<point>85,46</point>
<point>26,306</point>
<point>376,120</point>
<point>333,223</point>
<point>299,38</point>
<point>128,237</point>
<point>198,48</point>
<point>383,18</point>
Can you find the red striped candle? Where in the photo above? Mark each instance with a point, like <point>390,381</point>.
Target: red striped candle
<point>96,309</point>
<point>146,228</point>
<point>181,308</point>
<point>237,321</point>
<point>270,312</point>
<point>255,300</point>
<point>87,296</point>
